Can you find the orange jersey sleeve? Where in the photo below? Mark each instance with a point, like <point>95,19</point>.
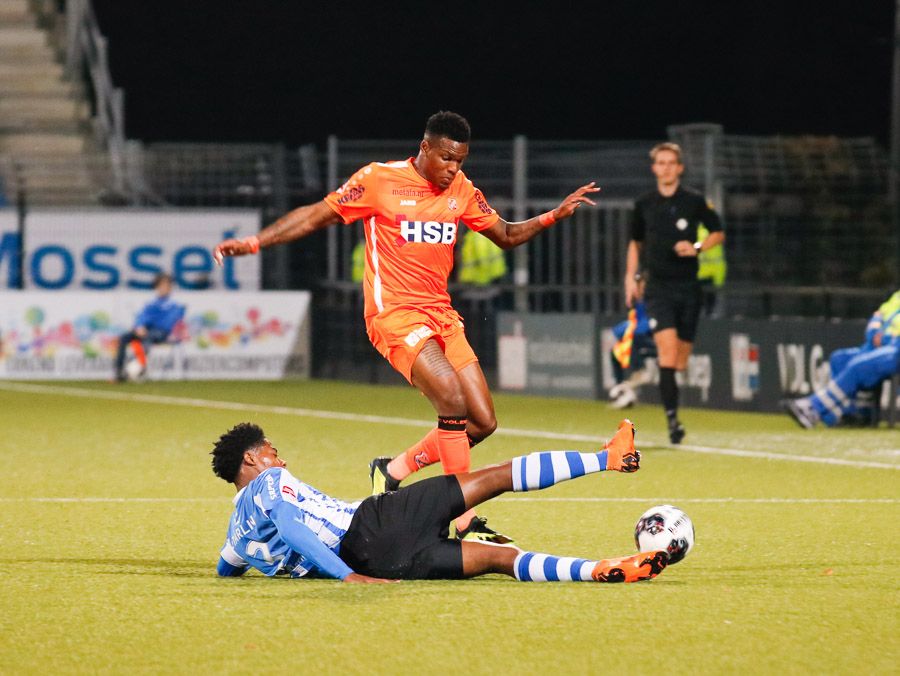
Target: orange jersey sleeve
<point>358,197</point>
<point>478,215</point>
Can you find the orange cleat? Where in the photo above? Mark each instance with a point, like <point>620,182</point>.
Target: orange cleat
<point>642,566</point>
<point>621,455</point>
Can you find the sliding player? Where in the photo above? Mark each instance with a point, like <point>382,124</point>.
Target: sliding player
<point>281,525</point>
<point>412,210</point>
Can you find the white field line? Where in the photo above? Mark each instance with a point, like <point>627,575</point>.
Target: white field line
<point>409,422</point>
<point>511,499</point>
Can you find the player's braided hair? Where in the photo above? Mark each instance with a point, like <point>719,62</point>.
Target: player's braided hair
<point>228,451</point>
<point>451,125</point>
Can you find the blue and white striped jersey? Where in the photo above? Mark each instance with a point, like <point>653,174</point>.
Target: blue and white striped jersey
<point>253,538</point>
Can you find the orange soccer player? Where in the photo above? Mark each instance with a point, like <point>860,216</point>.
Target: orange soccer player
<point>411,210</point>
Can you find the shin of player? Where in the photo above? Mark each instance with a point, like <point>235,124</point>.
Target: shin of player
<point>538,471</point>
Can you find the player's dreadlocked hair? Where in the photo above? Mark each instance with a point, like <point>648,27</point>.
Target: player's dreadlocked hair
<point>228,451</point>
<point>453,126</point>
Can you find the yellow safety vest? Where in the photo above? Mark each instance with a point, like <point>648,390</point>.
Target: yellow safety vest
<point>890,315</point>
<point>358,262</point>
<point>481,261</point>
<point>712,261</point>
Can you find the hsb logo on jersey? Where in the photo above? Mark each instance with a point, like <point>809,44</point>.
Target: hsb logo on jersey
<point>429,232</point>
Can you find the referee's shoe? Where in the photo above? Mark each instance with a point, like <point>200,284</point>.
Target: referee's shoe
<point>676,431</point>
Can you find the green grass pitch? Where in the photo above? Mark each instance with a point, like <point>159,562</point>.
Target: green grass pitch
<point>111,522</point>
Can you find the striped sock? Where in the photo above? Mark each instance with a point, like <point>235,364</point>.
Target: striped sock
<point>546,468</point>
<point>533,567</point>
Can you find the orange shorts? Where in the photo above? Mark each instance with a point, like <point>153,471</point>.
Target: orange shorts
<point>400,333</point>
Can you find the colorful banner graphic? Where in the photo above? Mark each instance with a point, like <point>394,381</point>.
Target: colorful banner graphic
<point>223,336</point>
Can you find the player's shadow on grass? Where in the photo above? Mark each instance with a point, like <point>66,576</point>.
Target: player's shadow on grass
<point>266,586</point>
<point>121,566</point>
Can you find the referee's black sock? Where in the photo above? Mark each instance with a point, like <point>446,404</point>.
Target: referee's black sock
<point>668,391</point>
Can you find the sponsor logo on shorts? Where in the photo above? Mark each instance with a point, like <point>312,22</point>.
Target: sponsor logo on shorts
<point>416,335</point>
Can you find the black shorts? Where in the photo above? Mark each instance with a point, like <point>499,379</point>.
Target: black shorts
<point>404,534</point>
<point>674,305</point>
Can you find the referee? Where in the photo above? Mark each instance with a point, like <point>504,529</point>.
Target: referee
<point>664,238</point>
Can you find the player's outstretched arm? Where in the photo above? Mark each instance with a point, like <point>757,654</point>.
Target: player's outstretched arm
<point>508,235</point>
<point>293,225</point>
<point>301,539</point>
<point>356,578</point>
<point>225,569</point>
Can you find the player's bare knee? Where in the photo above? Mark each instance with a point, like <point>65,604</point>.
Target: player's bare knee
<point>480,429</point>
<point>449,397</point>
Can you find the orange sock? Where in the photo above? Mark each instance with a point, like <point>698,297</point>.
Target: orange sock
<point>421,454</point>
<point>455,456</point>
<point>138,348</point>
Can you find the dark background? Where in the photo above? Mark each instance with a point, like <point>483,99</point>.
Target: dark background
<point>275,70</point>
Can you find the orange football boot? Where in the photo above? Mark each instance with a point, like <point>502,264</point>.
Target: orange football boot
<point>634,568</point>
<point>621,455</point>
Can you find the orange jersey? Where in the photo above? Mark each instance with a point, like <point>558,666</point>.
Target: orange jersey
<point>411,227</point>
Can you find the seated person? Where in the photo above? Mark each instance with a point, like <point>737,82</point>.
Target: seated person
<point>281,525</point>
<point>153,325</point>
<point>854,369</point>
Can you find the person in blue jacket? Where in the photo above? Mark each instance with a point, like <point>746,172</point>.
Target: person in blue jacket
<point>153,325</point>
<point>854,369</point>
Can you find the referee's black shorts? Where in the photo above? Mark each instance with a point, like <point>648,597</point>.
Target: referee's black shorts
<point>404,534</point>
<point>674,305</point>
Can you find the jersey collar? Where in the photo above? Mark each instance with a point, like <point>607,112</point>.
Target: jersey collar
<point>239,494</point>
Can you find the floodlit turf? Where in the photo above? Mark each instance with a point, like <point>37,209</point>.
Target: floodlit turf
<point>794,570</point>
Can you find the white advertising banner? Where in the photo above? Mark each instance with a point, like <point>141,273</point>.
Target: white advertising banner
<point>9,249</point>
<point>125,248</point>
<point>223,335</point>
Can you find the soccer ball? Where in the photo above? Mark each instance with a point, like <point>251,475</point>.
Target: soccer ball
<point>134,370</point>
<point>665,528</point>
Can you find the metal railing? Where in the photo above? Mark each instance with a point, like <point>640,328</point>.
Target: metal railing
<point>788,248</point>
<point>86,49</point>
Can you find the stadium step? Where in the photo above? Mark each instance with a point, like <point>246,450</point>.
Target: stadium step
<point>22,37</point>
<point>61,108</point>
<point>30,69</point>
<point>42,143</point>
<point>15,125</point>
<point>15,12</point>
<point>43,87</point>
<point>29,82</point>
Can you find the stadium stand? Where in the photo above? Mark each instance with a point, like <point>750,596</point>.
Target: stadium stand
<point>44,114</point>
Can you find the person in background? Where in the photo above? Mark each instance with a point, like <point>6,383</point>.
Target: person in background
<point>153,325</point>
<point>664,235</point>
<point>854,369</point>
<point>711,273</point>
<point>634,345</point>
